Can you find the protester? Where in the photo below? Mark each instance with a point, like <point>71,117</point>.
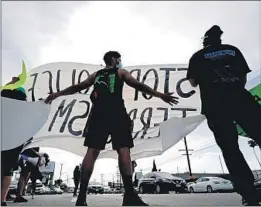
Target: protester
<point>221,70</point>
<point>134,165</point>
<point>9,158</point>
<point>29,169</point>
<point>109,116</point>
<point>76,179</point>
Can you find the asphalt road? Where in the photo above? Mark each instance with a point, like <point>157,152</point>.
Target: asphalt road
<point>215,199</point>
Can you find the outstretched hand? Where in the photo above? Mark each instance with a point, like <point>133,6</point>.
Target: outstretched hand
<point>168,98</point>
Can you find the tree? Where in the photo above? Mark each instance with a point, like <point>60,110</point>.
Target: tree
<point>254,144</point>
<point>154,168</point>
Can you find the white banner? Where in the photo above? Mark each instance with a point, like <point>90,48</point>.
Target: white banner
<point>20,121</point>
<point>68,115</point>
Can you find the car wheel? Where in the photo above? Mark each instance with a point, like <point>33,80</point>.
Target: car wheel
<point>141,189</point>
<point>191,190</point>
<point>209,189</point>
<point>158,189</point>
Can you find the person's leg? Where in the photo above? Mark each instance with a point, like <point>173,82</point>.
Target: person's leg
<point>24,176</point>
<point>122,142</point>
<point>9,161</point>
<point>74,191</point>
<point>86,172</point>
<point>26,182</point>
<point>76,185</point>
<point>249,119</point>
<point>96,135</point>
<point>227,139</point>
<point>33,187</point>
<point>5,184</point>
<point>125,168</point>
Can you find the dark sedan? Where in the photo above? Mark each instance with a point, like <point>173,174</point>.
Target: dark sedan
<point>161,182</point>
<point>95,189</point>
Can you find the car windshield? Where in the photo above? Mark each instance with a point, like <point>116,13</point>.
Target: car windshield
<point>164,175</point>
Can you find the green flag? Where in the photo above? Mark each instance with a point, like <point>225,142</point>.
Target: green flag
<point>256,92</point>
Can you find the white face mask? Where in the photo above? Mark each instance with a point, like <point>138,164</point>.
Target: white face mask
<point>119,66</point>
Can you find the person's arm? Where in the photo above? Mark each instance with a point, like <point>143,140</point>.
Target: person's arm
<point>242,66</point>
<point>134,83</point>
<point>72,89</point>
<point>192,71</point>
<point>78,87</point>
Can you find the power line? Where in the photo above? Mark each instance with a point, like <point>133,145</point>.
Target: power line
<point>175,158</point>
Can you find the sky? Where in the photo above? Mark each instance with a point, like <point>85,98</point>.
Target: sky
<point>157,32</point>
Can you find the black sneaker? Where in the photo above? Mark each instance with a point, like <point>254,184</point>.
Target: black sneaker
<point>20,199</point>
<point>3,203</point>
<point>250,202</point>
<point>132,200</point>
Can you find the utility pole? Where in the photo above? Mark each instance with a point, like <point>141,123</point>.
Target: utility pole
<point>221,164</point>
<point>61,171</point>
<point>113,184</point>
<point>184,114</point>
<point>187,155</point>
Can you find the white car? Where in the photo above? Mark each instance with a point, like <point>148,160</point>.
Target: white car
<point>107,189</point>
<point>210,184</point>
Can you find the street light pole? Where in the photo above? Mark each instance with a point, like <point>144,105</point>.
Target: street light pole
<point>221,164</point>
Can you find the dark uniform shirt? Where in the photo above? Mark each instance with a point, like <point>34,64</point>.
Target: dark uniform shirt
<point>220,72</point>
<point>107,93</point>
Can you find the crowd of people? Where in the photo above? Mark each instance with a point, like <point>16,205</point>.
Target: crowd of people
<point>219,70</point>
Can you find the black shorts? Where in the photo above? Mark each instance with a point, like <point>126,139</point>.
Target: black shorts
<point>9,160</point>
<point>102,124</point>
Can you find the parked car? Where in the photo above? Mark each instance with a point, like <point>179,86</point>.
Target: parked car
<point>95,189</point>
<point>55,190</point>
<point>107,189</point>
<point>161,182</point>
<point>71,190</point>
<point>210,184</point>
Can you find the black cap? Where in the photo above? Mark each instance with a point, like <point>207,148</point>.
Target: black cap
<point>214,31</point>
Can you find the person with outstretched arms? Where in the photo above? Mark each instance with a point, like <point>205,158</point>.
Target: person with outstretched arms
<point>108,116</point>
